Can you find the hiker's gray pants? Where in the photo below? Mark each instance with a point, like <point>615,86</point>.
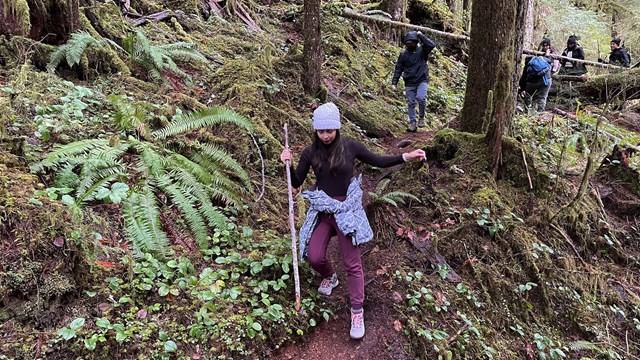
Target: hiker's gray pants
<point>537,93</point>
<point>416,93</point>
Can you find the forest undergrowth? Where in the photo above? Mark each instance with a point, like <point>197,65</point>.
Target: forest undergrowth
<point>108,247</point>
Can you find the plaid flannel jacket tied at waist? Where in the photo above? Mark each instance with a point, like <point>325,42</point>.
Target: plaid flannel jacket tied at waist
<point>349,214</point>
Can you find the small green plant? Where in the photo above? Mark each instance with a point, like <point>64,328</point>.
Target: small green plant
<point>547,348</point>
<point>70,332</point>
<point>158,60</point>
<point>74,49</point>
<point>392,198</point>
<point>69,114</point>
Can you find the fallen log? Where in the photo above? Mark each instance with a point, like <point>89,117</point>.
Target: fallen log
<point>442,35</point>
<point>623,85</point>
<point>576,78</point>
<point>586,62</point>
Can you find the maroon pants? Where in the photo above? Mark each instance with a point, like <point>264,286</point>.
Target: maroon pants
<point>317,257</point>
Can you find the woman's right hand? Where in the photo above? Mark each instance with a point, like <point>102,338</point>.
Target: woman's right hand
<point>285,156</point>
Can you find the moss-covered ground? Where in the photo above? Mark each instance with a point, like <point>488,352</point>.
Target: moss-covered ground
<point>538,280</point>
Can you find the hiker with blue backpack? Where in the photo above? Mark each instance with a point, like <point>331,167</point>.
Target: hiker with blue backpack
<point>535,81</point>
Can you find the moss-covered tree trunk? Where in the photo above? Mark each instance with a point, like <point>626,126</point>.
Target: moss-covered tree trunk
<point>397,9</point>
<point>491,74</point>
<point>312,77</point>
<point>49,21</point>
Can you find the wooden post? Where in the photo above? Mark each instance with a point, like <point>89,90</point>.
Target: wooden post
<point>292,225</point>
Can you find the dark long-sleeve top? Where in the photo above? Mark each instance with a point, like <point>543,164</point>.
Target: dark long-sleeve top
<point>575,53</point>
<point>620,57</point>
<point>336,184</point>
<point>412,65</point>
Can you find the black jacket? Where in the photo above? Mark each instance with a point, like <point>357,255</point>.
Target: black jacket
<point>412,65</point>
<point>620,57</point>
<point>576,53</point>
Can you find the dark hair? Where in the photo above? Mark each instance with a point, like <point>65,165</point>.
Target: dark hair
<point>333,155</point>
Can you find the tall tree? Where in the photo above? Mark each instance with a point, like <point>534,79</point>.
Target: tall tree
<point>466,15</point>
<point>49,21</point>
<point>312,55</point>
<point>492,69</point>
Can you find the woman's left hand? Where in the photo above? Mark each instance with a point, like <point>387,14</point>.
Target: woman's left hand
<point>415,155</point>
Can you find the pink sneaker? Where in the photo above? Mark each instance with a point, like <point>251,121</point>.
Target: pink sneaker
<point>357,324</point>
<point>328,284</point>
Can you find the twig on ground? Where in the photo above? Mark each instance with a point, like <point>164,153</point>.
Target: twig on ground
<point>262,164</point>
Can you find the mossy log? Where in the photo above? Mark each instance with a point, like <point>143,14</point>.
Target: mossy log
<point>604,88</point>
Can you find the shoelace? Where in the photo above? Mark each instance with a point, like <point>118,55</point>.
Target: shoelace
<point>356,320</point>
<point>326,283</point>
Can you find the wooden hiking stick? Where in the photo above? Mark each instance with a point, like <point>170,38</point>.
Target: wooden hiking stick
<point>292,225</point>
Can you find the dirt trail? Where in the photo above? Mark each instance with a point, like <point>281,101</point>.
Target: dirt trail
<point>330,340</point>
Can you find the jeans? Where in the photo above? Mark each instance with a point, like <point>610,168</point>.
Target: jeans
<point>317,257</point>
<point>537,92</point>
<point>416,93</point>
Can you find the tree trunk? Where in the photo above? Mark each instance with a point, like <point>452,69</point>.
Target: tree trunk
<point>529,26</point>
<point>312,55</point>
<point>466,15</point>
<point>452,5</point>
<point>490,78</point>
<point>397,9</point>
<point>49,21</point>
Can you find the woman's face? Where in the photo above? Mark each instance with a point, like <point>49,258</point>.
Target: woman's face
<point>326,136</point>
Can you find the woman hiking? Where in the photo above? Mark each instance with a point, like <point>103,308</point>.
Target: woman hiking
<point>336,204</point>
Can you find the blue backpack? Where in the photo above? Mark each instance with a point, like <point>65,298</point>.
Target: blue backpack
<point>535,66</point>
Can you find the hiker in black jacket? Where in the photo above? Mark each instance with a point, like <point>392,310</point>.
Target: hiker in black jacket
<point>619,55</point>
<point>574,51</point>
<point>412,65</point>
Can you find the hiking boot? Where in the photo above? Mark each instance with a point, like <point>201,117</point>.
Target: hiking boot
<point>357,324</point>
<point>421,122</point>
<point>412,127</point>
<point>328,284</point>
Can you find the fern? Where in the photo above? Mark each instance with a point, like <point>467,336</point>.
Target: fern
<point>393,198</point>
<point>142,222</point>
<point>201,119</point>
<point>72,51</point>
<point>193,176</point>
<point>159,58</point>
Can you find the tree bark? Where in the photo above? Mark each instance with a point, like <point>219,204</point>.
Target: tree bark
<point>528,26</point>
<point>466,15</point>
<point>49,21</point>
<point>397,9</point>
<point>490,77</point>
<point>452,6</point>
<point>312,54</point>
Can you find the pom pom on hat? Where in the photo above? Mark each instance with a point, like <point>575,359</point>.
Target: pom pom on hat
<point>326,117</point>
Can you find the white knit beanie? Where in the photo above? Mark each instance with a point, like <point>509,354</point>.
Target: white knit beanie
<point>326,117</point>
